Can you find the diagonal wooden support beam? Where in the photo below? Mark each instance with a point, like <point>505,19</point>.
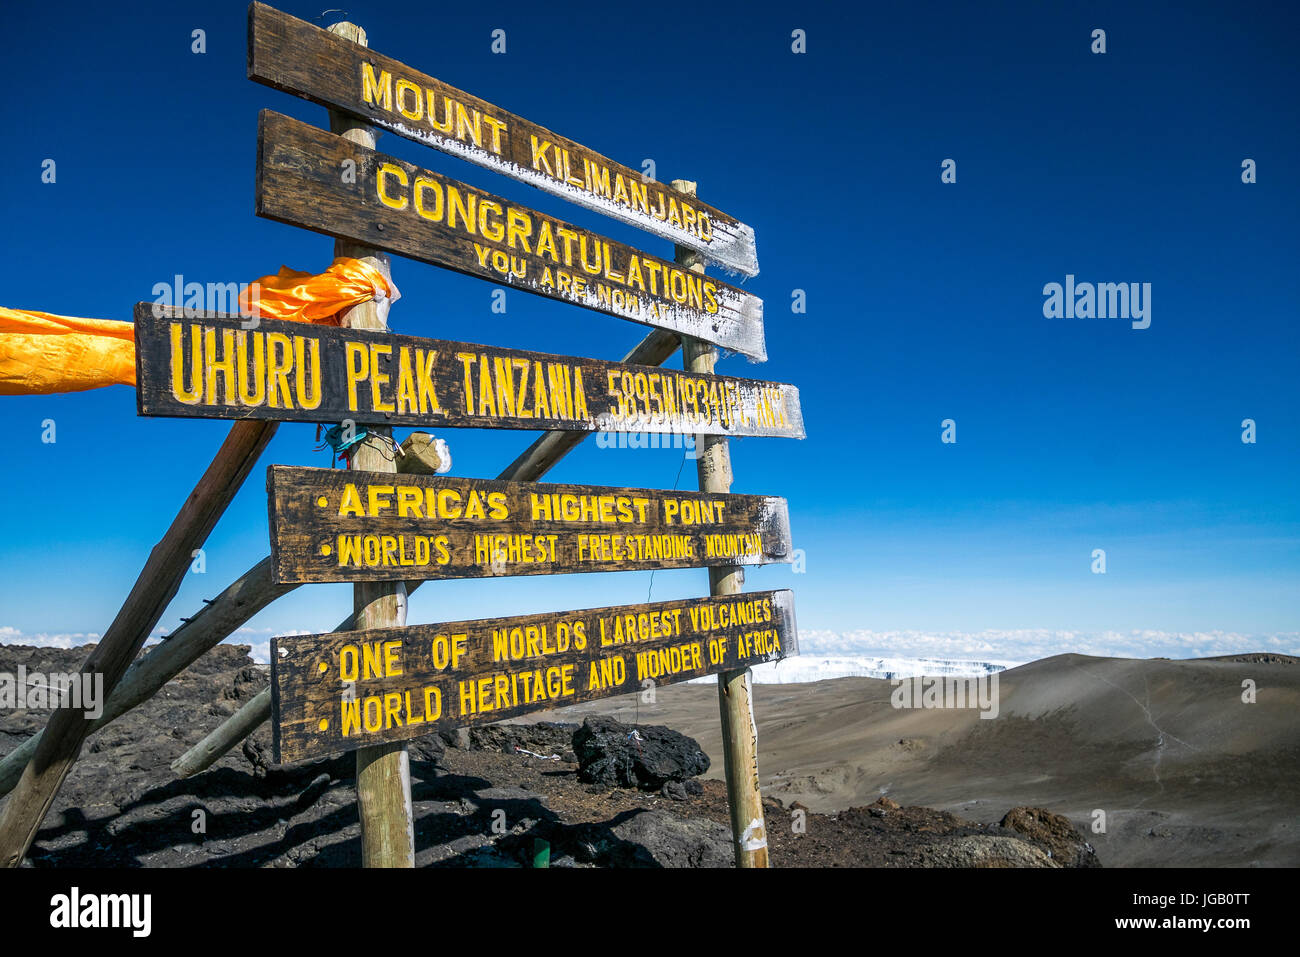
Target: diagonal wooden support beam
<point>231,731</point>
<point>170,559</point>
<point>211,625</point>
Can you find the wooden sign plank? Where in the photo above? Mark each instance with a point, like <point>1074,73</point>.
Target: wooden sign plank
<point>345,690</point>
<point>313,179</point>
<point>300,58</point>
<point>210,366</point>
<point>329,526</point>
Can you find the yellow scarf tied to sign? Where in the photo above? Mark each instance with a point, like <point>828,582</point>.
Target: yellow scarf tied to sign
<point>42,354</point>
<point>302,297</point>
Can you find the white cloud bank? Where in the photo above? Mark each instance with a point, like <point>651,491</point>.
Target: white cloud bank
<point>12,636</point>
<point>1034,643</point>
<point>1003,646</point>
<point>258,639</point>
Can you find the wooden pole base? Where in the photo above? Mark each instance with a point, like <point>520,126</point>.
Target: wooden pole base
<point>739,731</point>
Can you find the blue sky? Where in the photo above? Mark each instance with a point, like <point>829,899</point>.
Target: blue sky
<point>924,299</point>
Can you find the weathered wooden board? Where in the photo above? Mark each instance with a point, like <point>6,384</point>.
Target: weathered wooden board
<point>346,690</point>
<point>208,366</point>
<point>307,177</point>
<point>329,525</point>
<point>297,57</point>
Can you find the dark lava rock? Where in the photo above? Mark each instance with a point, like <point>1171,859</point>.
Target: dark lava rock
<point>258,755</point>
<point>882,807</point>
<point>456,738</point>
<point>649,838</point>
<point>671,841</point>
<point>614,754</point>
<point>545,738</point>
<point>1067,846</point>
<point>429,748</point>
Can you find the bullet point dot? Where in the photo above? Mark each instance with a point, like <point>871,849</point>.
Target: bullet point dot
<point>324,667</point>
<point>322,501</point>
<point>324,724</point>
<point>325,549</point>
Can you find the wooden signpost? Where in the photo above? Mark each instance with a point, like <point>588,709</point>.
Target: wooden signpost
<point>735,702</point>
<point>383,771</point>
<point>299,58</point>
<point>343,690</point>
<point>214,367</point>
<point>371,689</point>
<point>330,526</point>
<point>391,204</point>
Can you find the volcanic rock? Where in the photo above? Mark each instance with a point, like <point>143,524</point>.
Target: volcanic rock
<point>614,754</point>
<point>1067,846</point>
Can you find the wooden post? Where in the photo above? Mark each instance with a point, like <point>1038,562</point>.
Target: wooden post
<point>384,771</point>
<point>66,731</point>
<point>239,726</point>
<point>739,732</point>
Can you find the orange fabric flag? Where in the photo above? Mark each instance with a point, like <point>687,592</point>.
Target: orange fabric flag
<point>42,353</point>
<point>302,297</point>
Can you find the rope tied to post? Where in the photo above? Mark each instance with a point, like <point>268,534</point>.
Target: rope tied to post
<point>344,442</point>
